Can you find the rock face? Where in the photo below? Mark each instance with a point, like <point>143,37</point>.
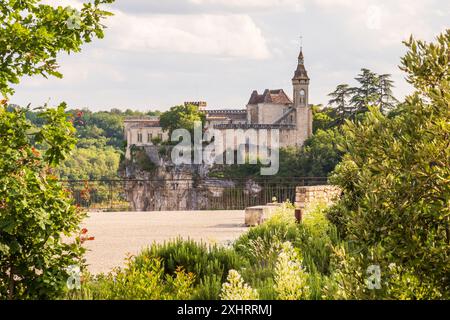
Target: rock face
<point>154,183</point>
<point>167,187</point>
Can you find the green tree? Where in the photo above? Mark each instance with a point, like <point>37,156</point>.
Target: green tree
<point>323,118</point>
<point>35,210</point>
<point>367,93</point>
<point>395,208</point>
<point>32,34</point>
<point>340,102</point>
<point>320,154</point>
<point>90,163</point>
<point>387,101</point>
<point>181,117</point>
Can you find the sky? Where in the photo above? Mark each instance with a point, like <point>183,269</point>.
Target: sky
<point>157,54</point>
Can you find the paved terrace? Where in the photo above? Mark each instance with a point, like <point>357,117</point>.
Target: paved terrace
<point>120,233</point>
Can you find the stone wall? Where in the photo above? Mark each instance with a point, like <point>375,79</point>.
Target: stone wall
<point>307,196</point>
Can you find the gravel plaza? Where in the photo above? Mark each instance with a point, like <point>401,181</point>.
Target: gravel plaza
<point>118,234</point>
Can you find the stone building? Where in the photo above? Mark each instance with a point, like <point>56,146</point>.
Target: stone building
<point>273,109</point>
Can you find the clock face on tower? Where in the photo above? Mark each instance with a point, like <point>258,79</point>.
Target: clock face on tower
<point>302,93</point>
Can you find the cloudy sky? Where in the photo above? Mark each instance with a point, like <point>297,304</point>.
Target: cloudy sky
<point>157,54</point>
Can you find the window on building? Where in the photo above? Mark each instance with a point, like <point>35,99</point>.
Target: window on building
<point>139,137</point>
<point>149,137</point>
<point>160,136</point>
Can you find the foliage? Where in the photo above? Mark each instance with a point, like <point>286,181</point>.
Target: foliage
<point>236,289</point>
<point>140,160</point>
<point>350,102</point>
<point>318,157</point>
<point>182,117</point>
<point>286,276</point>
<point>143,281</point>
<point>33,34</point>
<point>205,261</point>
<point>395,177</point>
<point>261,244</point>
<point>94,126</point>
<point>317,238</point>
<point>208,288</point>
<point>339,99</point>
<point>291,281</point>
<point>35,210</point>
<point>367,93</point>
<point>90,164</point>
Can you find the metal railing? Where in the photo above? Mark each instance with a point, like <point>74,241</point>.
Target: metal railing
<point>184,194</point>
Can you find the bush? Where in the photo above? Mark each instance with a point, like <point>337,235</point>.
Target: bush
<point>210,263</point>
<point>396,187</point>
<point>317,237</point>
<point>35,210</point>
<point>236,289</point>
<point>262,244</point>
<point>291,281</point>
<point>143,281</point>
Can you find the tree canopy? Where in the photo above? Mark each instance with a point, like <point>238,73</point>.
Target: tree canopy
<point>395,177</point>
<point>35,210</point>
<point>181,117</point>
<point>33,34</point>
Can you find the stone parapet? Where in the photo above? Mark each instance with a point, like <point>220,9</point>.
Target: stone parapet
<point>306,196</point>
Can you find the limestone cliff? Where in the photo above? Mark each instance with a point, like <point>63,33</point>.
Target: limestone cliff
<point>154,183</point>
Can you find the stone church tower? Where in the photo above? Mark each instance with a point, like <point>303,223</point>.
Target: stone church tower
<point>300,82</point>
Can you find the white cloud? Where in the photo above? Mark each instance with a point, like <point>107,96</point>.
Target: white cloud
<point>229,35</point>
<point>296,4</point>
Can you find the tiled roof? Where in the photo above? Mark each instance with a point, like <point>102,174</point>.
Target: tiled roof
<point>301,73</point>
<point>277,96</point>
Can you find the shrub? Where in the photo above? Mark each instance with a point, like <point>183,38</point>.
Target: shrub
<point>395,181</point>
<point>291,281</point>
<point>210,263</point>
<point>317,237</point>
<point>143,281</point>
<point>236,289</point>
<point>35,210</point>
<point>262,243</point>
<point>208,288</point>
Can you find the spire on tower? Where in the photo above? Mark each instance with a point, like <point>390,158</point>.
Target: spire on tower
<point>301,59</point>
<point>301,72</point>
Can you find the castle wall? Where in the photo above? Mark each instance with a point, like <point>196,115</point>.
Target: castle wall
<point>146,133</point>
<point>268,113</point>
